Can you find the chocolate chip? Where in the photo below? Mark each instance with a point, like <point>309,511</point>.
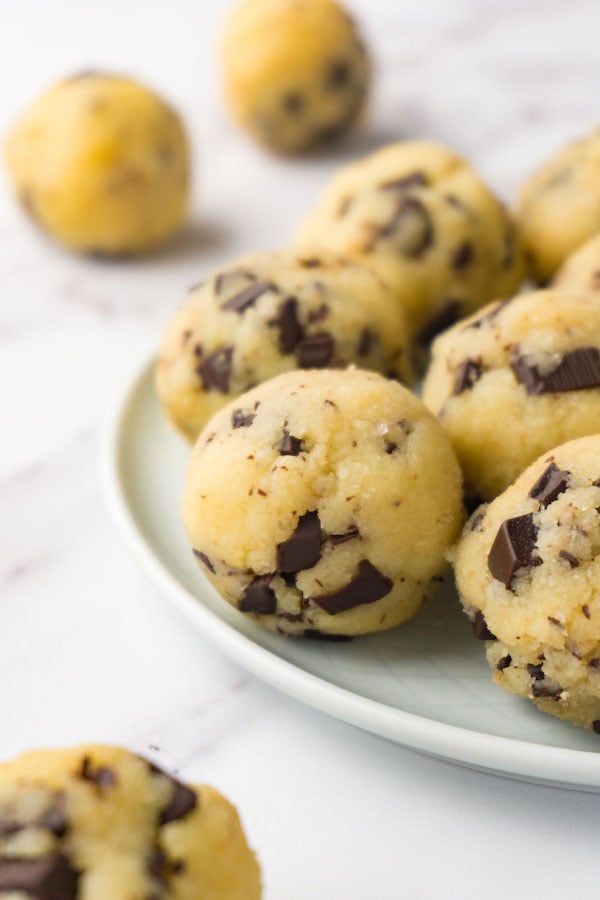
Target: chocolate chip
<point>504,662</point>
<point>442,320</point>
<point>338,75</point>
<point>316,635</point>
<point>259,597</point>
<point>286,321</point>
<point>317,315</point>
<point>156,864</point>
<point>411,227</point>
<point>315,351</point>
<point>586,611</point>
<point>463,256</point>
<point>551,690</point>
<point>289,445</point>
<point>414,179</point>
<point>594,663</point>
<point>367,586</point>
<point>101,776</point>
<point>342,538</point>
<point>365,341</point>
<point>241,419</point>
<point>55,818</point>
<point>246,298</point>
<point>468,372</point>
<point>513,548</point>
<point>480,628</point>
<point>390,446</point>
<point>551,483</point>
<point>568,557</point>
<point>578,369</point>
<point>183,801</point>
<point>536,671</point>
<point>596,726</point>
<point>215,370</point>
<point>309,262</point>
<point>292,102</point>
<point>48,878</point>
<point>303,549</point>
<point>204,558</point>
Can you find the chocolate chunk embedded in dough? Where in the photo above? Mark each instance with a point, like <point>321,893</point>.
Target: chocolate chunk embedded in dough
<point>246,298</point>
<point>513,548</point>
<point>410,226</point>
<point>215,370</point>
<point>367,586</point>
<point>183,801</point>
<point>288,325</point>
<point>204,558</point>
<point>552,482</point>
<point>303,549</point>
<point>462,256</point>
<point>47,878</point>
<point>468,372</point>
<point>289,445</point>
<point>342,538</point>
<point>241,419</point>
<point>315,351</point>
<point>568,557</point>
<point>55,818</point>
<point>578,369</point>
<point>480,628</point>
<point>102,776</point>
<point>415,179</point>
<point>259,597</point>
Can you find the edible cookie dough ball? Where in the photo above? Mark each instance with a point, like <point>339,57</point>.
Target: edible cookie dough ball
<point>296,71</point>
<point>269,313</point>
<point>101,163</point>
<point>559,206</point>
<point>515,380</point>
<point>528,573</point>
<point>581,270</point>
<point>425,222</point>
<point>98,823</point>
<point>322,503</point>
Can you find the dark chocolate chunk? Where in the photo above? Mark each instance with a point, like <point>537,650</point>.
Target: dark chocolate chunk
<point>596,726</point>
<point>415,179</point>
<point>586,611</point>
<point>365,341</point>
<point>241,419</point>
<point>513,548</point>
<point>338,75</point>
<point>156,865</point>
<point>442,320</point>
<point>536,671</point>
<point>468,372</point>
<point>480,629</point>
<point>504,662</point>
<point>48,878</point>
<point>204,558</point>
<point>317,315</point>
<point>286,321</point>
<point>568,557</point>
<point>551,483</point>
<point>289,445</point>
<point>411,226</point>
<point>342,538</point>
<point>183,801</point>
<point>546,689</point>
<point>315,351</point>
<point>316,635</point>
<point>101,776</point>
<point>578,369</point>
<point>463,256</point>
<point>259,597</point>
<point>390,446</point>
<point>55,818</point>
<point>367,586</point>
<point>309,262</point>
<point>292,102</point>
<point>303,549</point>
<point>215,370</point>
<point>246,298</point>
<point>594,663</point>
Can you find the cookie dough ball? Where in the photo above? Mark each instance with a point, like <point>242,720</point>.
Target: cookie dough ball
<point>425,222</point>
<point>559,206</point>
<point>269,313</point>
<point>515,380</point>
<point>96,822</point>
<point>581,270</point>
<point>322,503</point>
<point>296,71</point>
<point>528,573</point>
<point>101,163</point>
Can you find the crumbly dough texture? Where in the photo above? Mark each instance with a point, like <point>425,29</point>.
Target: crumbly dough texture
<point>296,71</point>
<point>514,380</point>
<point>559,206</point>
<point>97,822</point>
<point>101,163</point>
<point>322,503</point>
<point>581,270</point>
<point>269,313</point>
<point>532,587</point>
<point>424,221</point>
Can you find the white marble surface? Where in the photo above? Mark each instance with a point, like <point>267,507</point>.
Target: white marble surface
<point>88,649</point>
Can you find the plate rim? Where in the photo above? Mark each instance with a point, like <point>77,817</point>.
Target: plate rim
<point>507,757</point>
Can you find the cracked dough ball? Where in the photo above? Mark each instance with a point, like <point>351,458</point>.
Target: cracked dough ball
<point>101,163</point>
<point>581,270</point>
<point>296,71</point>
<point>514,380</point>
<point>97,822</point>
<point>424,221</point>
<point>323,502</point>
<point>269,313</point>
<point>528,574</point>
<point>559,206</point>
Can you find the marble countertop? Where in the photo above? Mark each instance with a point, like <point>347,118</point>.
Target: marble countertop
<point>89,650</point>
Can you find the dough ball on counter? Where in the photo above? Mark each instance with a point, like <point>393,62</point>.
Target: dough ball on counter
<point>269,313</point>
<point>322,503</point>
<point>514,380</point>
<point>101,163</point>
<point>581,270</point>
<point>528,574</point>
<point>425,222</point>
<point>559,206</point>
<point>296,71</point>
<point>97,822</point>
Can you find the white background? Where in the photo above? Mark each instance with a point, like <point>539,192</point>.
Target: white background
<point>88,649</point>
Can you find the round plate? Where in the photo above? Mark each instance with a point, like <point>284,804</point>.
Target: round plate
<point>425,685</point>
